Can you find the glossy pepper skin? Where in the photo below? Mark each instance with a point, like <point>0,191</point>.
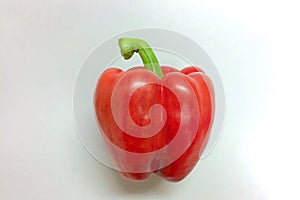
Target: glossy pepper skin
<point>174,90</point>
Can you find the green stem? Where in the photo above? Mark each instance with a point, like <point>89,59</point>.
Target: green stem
<point>129,46</point>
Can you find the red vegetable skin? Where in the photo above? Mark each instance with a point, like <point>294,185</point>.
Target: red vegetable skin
<point>155,87</point>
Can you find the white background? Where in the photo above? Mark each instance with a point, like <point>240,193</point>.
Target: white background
<point>254,44</point>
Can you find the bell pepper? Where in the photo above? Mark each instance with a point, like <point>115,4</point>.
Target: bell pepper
<point>154,119</point>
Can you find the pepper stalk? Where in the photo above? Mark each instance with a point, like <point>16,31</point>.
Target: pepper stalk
<point>129,46</point>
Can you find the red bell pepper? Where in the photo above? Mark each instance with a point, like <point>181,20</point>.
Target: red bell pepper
<point>154,119</point>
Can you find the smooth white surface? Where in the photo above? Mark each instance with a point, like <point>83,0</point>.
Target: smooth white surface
<point>254,44</point>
